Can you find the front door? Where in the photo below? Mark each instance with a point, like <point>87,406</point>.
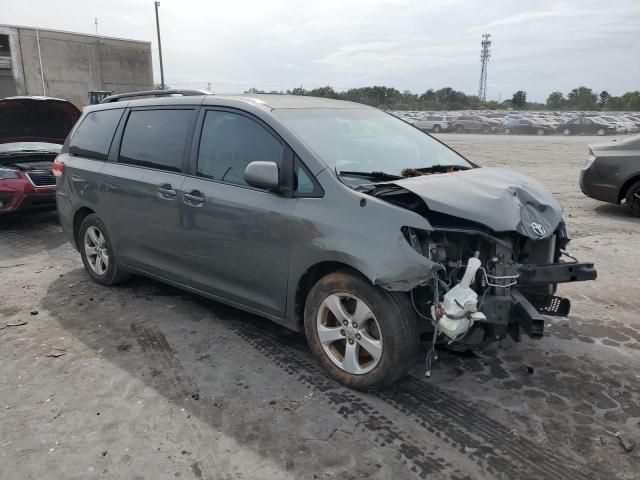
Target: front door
<point>236,238</point>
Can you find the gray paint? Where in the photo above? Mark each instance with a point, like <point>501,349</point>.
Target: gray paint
<point>74,64</point>
<point>501,199</point>
<point>616,166</point>
<point>250,248</point>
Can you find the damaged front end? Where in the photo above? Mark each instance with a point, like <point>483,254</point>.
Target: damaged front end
<point>501,242</point>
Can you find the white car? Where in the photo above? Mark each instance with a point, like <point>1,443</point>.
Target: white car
<point>432,123</point>
<point>620,126</point>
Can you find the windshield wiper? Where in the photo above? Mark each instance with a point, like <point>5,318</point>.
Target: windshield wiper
<point>438,168</point>
<point>372,175</point>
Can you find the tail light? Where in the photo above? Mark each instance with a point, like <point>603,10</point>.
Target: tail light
<point>57,167</point>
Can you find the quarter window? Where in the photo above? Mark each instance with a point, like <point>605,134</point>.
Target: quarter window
<point>93,137</point>
<point>156,138</point>
<point>230,142</point>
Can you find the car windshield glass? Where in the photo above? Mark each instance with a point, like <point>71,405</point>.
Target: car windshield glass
<point>366,140</point>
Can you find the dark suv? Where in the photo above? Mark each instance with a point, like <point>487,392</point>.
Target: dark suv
<point>325,216</point>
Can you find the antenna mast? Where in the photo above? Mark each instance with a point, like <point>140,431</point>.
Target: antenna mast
<point>485,54</point>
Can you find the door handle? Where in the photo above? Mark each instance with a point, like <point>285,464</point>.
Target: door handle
<point>193,198</point>
<point>166,191</point>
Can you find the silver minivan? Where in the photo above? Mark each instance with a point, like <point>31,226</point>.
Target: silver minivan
<point>328,217</point>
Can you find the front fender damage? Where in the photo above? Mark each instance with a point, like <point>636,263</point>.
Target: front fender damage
<point>415,271</point>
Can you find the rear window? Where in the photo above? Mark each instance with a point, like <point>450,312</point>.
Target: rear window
<point>93,137</point>
<point>156,138</point>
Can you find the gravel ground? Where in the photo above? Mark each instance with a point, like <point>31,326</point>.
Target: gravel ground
<point>145,381</point>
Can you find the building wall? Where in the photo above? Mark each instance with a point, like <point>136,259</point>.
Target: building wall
<point>74,64</point>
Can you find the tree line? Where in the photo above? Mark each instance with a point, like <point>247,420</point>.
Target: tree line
<point>580,98</point>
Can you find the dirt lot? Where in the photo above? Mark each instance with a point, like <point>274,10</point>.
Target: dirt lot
<point>147,382</point>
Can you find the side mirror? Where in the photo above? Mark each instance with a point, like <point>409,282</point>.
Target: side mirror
<point>262,175</point>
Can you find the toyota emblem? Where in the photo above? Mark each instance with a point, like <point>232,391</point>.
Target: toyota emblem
<point>538,229</point>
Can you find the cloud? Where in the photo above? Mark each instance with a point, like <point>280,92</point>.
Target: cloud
<point>408,44</point>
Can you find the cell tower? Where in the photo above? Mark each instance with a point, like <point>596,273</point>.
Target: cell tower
<point>485,53</point>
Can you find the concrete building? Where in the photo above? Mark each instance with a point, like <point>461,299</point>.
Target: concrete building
<point>70,65</point>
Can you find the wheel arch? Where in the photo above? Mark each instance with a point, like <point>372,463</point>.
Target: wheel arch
<point>309,278</point>
<point>79,216</point>
<point>626,185</point>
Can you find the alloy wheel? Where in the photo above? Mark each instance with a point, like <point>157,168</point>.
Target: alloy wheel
<point>349,333</point>
<point>95,248</point>
<point>567,131</point>
<point>601,131</point>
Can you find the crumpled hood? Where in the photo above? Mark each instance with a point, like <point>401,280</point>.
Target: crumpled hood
<point>501,199</point>
<point>36,119</point>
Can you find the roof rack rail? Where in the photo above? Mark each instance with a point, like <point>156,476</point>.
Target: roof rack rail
<point>153,93</point>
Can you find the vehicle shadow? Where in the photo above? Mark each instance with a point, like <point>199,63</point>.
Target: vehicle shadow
<point>29,233</point>
<point>257,382</point>
<point>620,212</point>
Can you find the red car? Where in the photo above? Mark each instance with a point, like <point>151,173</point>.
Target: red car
<point>32,131</point>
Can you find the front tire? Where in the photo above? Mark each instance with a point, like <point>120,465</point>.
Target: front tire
<point>540,132</point>
<point>363,336</point>
<point>601,132</point>
<point>459,129</point>
<point>436,129</point>
<point>97,252</point>
<point>633,198</point>
<point>566,132</point>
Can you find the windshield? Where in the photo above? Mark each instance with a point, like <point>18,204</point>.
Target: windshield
<point>367,140</point>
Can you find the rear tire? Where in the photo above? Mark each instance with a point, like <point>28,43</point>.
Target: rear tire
<point>97,253</point>
<point>436,129</point>
<point>459,129</point>
<point>486,130</point>
<point>540,132</point>
<point>601,132</point>
<point>633,198</point>
<point>566,131</point>
<point>507,131</point>
<point>376,352</point>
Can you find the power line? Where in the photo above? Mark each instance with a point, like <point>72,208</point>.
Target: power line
<point>485,54</point>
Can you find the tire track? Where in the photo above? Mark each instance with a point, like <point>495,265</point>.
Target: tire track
<point>457,423</point>
<point>349,404</point>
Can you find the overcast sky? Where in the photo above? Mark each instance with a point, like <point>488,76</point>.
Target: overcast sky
<point>538,46</point>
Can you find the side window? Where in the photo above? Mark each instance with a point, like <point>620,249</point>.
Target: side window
<point>92,138</point>
<point>156,138</point>
<point>304,185</point>
<point>587,121</point>
<point>575,121</point>
<point>230,142</point>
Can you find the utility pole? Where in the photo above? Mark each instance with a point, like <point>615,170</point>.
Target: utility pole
<point>485,54</point>
<point>208,86</point>
<point>96,22</point>
<point>159,48</point>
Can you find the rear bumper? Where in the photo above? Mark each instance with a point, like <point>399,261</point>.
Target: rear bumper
<point>66,213</point>
<point>593,185</point>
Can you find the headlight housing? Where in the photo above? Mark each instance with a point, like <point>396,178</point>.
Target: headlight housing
<point>8,173</point>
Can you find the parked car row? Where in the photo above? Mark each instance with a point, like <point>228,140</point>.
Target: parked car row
<point>532,123</point>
